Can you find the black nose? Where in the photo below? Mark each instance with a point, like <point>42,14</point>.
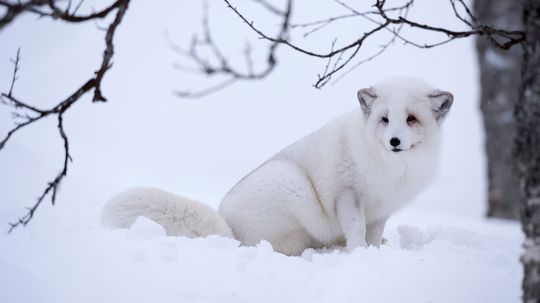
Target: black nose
<point>394,142</point>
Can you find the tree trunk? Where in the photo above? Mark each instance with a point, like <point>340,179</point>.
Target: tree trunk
<point>500,76</point>
<point>527,117</point>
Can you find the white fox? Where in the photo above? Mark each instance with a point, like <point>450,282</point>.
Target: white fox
<point>336,186</point>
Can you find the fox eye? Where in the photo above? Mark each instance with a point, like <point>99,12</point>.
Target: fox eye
<point>411,119</point>
<point>384,120</point>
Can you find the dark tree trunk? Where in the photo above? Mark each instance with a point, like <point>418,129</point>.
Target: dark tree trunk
<point>527,117</point>
<point>500,76</point>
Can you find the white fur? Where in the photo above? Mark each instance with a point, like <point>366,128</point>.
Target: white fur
<point>178,215</point>
<point>335,186</point>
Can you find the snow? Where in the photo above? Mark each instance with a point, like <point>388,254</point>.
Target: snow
<point>419,264</point>
<point>440,248</point>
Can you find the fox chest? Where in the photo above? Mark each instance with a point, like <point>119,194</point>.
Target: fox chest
<point>382,190</point>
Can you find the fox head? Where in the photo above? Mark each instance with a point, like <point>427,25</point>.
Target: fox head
<point>403,115</point>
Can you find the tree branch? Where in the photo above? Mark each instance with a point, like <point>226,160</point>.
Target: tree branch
<point>35,114</point>
<point>16,9</point>
<point>224,67</point>
<point>389,19</point>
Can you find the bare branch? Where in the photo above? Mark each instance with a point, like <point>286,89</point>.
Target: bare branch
<point>109,49</point>
<point>502,38</point>
<point>16,9</point>
<point>15,70</point>
<point>52,187</point>
<point>511,37</point>
<point>17,128</point>
<point>207,91</point>
<point>269,7</point>
<point>458,15</point>
<point>65,15</point>
<point>224,67</point>
<point>49,8</point>
<point>249,60</point>
<point>468,11</point>
<point>36,114</point>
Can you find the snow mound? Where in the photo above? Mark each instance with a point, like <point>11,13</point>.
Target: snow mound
<point>415,238</point>
<point>144,227</point>
<point>419,264</point>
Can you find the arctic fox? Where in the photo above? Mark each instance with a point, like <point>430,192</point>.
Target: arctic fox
<point>336,186</point>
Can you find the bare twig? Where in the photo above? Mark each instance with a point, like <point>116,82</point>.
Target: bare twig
<point>65,15</point>
<point>109,49</point>
<point>52,187</point>
<point>206,91</point>
<point>14,10</point>
<point>224,67</point>
<point>512,37</point>
<point>15,70</point>
<point>269,7</point>
<point>320,24</point>
<point>49,8</point>
<point>458,15</point>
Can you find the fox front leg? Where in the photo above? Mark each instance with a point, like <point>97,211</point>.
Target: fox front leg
<point>352,218</point>
<point>374,233</point>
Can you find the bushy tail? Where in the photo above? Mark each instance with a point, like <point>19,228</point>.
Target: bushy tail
<point>178,215</point>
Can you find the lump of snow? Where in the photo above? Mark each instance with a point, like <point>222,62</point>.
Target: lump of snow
<point>265,247</point>
<point>222,242</point>
<point>412,237</point>
<point>144,227</point>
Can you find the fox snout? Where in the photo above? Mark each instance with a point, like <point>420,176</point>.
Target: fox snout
<point>395,142</point>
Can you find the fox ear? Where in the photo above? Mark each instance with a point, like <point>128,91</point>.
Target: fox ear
<point>366,96</point>
<point>441,101</point>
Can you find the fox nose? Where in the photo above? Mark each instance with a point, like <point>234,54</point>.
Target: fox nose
<point>395,142</point>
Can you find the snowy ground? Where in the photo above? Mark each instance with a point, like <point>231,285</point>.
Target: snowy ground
<point>423,262</point>
<point>440,248</point>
